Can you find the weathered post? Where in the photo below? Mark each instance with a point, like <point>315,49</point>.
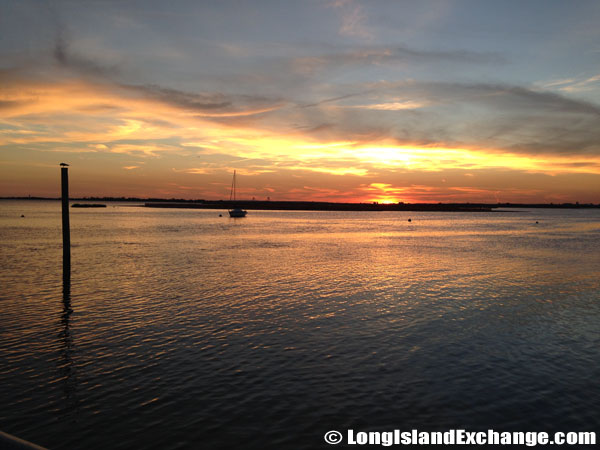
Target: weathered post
<point>64,182</point>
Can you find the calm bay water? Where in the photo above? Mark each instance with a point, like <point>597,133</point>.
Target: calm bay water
<point>182,329</point>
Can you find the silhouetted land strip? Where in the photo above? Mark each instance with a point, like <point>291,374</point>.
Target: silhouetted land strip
<point>314,206</point>
<point>88,205</point>
<point>318,206</point>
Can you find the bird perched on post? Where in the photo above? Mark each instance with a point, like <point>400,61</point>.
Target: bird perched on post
<point>64,164</point>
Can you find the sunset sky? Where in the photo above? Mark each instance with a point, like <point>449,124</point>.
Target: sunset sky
<point>338,100</point>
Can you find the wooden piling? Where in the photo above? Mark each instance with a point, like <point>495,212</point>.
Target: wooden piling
<point>64,181</point>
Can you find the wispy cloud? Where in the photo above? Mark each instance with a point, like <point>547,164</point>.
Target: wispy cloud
<point>353,19</point>
<point>392,106</point>
<point>388,56</point>
<point>574,84</point>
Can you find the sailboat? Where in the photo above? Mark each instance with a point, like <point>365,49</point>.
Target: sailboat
<point>236,212</point>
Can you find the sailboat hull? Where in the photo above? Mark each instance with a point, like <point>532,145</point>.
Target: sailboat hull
<point>237,213</point>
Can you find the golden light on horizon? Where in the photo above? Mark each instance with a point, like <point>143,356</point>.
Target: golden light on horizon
<point>385,193</point>
<point>386,200</point>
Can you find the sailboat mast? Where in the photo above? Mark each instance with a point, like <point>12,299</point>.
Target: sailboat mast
<point>232,192</point>
<point>236,211</point>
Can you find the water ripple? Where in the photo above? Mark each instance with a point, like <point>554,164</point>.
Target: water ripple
<point>267,332</point>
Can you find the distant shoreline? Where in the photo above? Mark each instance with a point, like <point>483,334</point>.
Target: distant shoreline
<point>315,206</point>
<point>318,206</point>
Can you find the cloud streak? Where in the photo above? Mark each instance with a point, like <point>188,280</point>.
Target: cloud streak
<point>353,19</point>
<point>207,104</point>
<point>389,56</point>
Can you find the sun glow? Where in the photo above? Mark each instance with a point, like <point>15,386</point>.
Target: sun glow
<point>384,193</point>
<point>99,119</point>
<point>385,200</point>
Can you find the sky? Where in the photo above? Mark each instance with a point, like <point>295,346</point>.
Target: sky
<point>324,100</point>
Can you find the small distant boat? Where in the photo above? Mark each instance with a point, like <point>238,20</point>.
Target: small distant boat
<point>236,212</point>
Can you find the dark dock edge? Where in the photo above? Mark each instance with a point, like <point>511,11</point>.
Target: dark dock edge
<point>10,442</point>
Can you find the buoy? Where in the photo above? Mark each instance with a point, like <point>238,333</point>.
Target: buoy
<point>410,220</point>
<point>220,215</point>
<point>536,221</point>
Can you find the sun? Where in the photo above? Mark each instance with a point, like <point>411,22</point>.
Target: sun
<point>385,200</point>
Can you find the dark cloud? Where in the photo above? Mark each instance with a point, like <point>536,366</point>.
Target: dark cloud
<point>524,120</point>
<point>209,104</point>
<point>330,100</point>
<point>496,95</point>
<point>77,63</point>
<point>502,117</point>
<point>99,108</point>
<point>10,104</point>
<point>314,129</point>
<point>507,97</point>
<point>578,164</point>
<point>181,99</point>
